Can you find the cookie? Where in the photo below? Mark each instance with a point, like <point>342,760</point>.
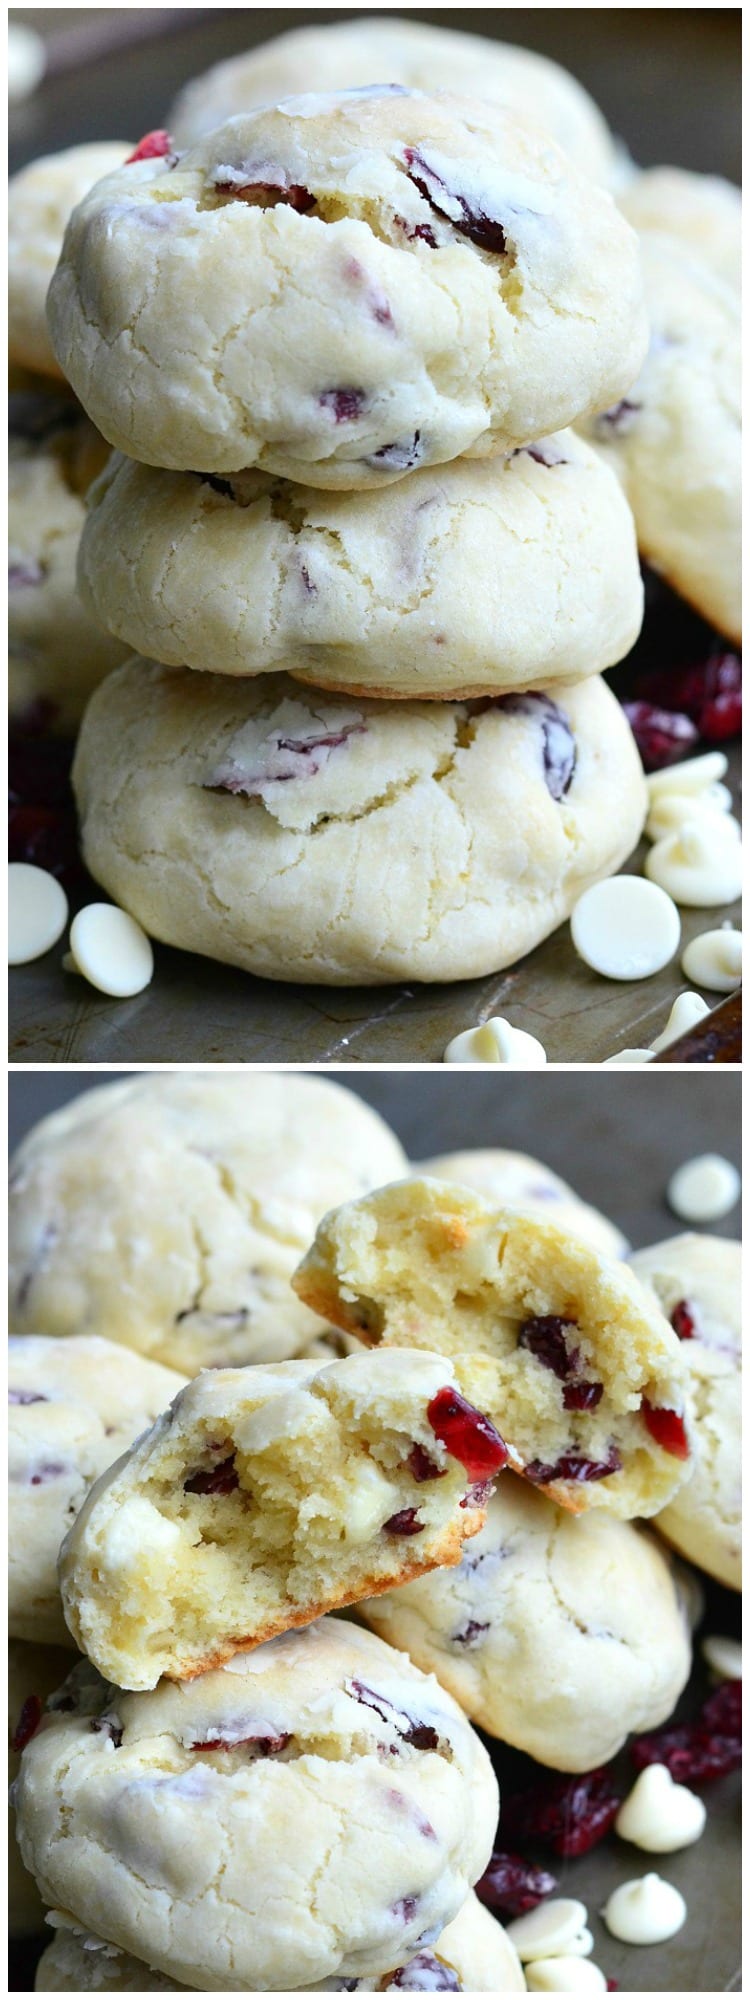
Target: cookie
<point>57,651</point>
<point>513,1180</point>
<point>559,1634</point>
<point>40,199</point>
<point>264,1498</point>
<point>363,284</point>
<point>74,1407</point>
<point>472,1955</point>
<point>702,212</point>
<point>168,1212</point>
<point>674,440</point>
<point>33,1673</point>
<point>196,1817</point>
<point>305,836</point>
<point>562,1348</point>
<point>485,575</point>
<point>696,1282</point>
<point>417,54</point>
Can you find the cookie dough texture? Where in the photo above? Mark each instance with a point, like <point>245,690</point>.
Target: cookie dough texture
<point>474,1949</point>
<point>57,651</point>
<point>675,439</point>
<point>74,1407</point>
<point>340,289</point>
<point>306,837</point>
<point>558,1634</point>
<point>40,200</point>
<point>702,212</point>
<point>531,1317</point>
<point>702,1275</point>
<point>32,1670</point>
<point>480,576</point>
<point>420,56</point>
<point>514,1180</point>
<point>168,1212</point>
<point>263,1498</point>
<point>268,1826</point>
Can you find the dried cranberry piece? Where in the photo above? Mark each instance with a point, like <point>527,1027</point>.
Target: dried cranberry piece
<point>25,575</point>
<point>485,230</point>
<point>582,1395</point>
<point>39,770</point>
<point>683,1320</point>
<point>421,1735</point>
<point>544,1336</point>
<point>510,1886</point>
<point>154,146</point>
<point>346,404</point>
<point>48,839</point>
<point>477,1494</point>
<point>667,1428</point>
<point>558,742</point>
<point>404,1523</point>
<point>421,1466</point>
<point>470,1634</point>
<point>697,1752</point>
<point>573,1466</point>
<point>620,418</point>
<point>467,1434</point>
<point>421,232</point>
<point>662,737</point>
<point>266,1746</point>
<point>426,1974</point>
<point>722,1711</point>
<point>569,1815</point>
<point>107,1725</point>
<point>51,1469</point>
<point>269,194</point>
<point>405,1908</point>
<point>708,691</point>
<point>28,1722</point>
<point>25,1396</point>
<point>399,457</point>
<point>223,1478</point>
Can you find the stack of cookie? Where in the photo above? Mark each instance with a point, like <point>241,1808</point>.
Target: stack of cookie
<point>372,576</point>
<point>209,1753</point>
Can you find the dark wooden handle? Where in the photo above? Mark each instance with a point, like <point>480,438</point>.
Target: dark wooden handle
<point>715,1039</point>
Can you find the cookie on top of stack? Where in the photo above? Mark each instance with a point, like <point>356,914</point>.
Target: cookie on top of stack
<point>198,1765</point>
<point>371,575</point>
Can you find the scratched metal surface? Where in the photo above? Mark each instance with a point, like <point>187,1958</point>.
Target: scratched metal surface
<point>670,86</point>
<point>618,1141</point>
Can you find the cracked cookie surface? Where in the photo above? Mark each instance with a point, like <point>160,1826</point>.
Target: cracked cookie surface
<point>342,289</point>
<point>73,1408</point>
<point>305,836</point>
<point>225,1829</point>
<point>696,1281</point>
<point>480,576</point>
<point>168,1212</point>
<point>40,200</point>
<point>559,1634</point>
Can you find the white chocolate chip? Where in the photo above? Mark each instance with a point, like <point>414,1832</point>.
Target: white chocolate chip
<point>660,1815</point>
<point>549,1930</point>
<point>704,1189</point>
<point>626,1057</point>
<point>37,912</point>
<point>645,1911</point>
<point>670,812</point>
<point>724,1657</point>
<point>27,61</point>
<point>625,928</point>
<point>715,959</point>
<point>564,1975</point>
<point>111,950</point>
<point>688,1008</point>
<point>691,1593</point>
<point>699,866</point>
<point>694,776</point>
<point>496,1042</point>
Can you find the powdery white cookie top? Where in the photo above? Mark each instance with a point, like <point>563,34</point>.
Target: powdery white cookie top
<point>478,576</point>
<point>674,439</point>
<point>702,212</point>
<point>516,1180</point>
<point>340,290</point>
<point>195,1818</point>
<point>419,55</point>
<point>169,1211</point>
<point>696,1280</point>
<point>564,1350</point>
<point>40,200</point>
<point>58,652</point>
<point>559,1634</point>
<point>74,1407</point>
<point>472,1955</point>
<point>307,836</point>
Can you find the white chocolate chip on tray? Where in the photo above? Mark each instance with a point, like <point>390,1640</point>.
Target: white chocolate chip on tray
<point>704,1189</point>
<point>645,1911</point>
<point>660,1815</point>
<point>714,959</point>
<point>37,912</point>
<point>625,928</point>
<point>724,1657</point>
<point>550,1931</point>
<point>496,1042</point>
<point>111,950</point>
<point>564,1975</point>
<point>699,865</point>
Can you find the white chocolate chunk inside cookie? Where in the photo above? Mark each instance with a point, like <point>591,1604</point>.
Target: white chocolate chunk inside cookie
<point>565,1351</point>
<point>363,284</point>
<point>558,1633</point>
<point>195,1817</point>
<point>262,1499</point>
